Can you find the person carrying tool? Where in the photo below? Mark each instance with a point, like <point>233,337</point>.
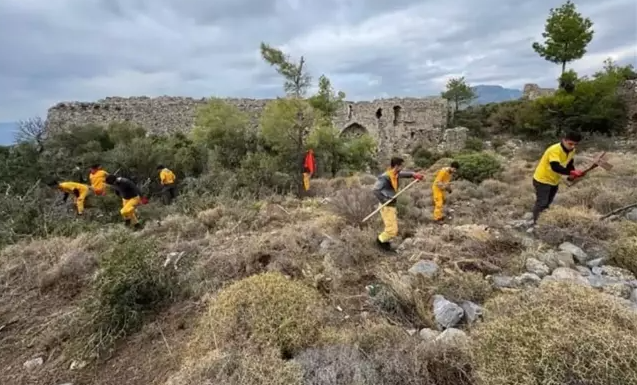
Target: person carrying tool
<point>79,190</point>
<point>167,180</point>
<point>440,185</point>
<point>97,176</point>
<point>131,197</point>
<point>556,161</point>
<point>385,189</point>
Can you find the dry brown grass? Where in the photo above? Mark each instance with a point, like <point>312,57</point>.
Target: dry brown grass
<point>573,224</point>
<point>623,253</point>
<point>263,310</point>
<point>354,204</point>
<point>557,334</point>
<point>264,367</point>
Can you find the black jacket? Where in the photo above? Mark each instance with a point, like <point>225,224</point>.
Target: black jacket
<point>126,189</point>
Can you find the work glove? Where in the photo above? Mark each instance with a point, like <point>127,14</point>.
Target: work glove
<point>574,174</point>
<point>144,200</point>
<point>418,176</point>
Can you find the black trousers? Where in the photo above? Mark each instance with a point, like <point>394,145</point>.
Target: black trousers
<point>544,195</point>
<point>169,192</point>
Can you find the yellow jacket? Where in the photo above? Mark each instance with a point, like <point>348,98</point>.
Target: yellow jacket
<point>98,179</point>
<point>166,176</point>
<point>443,176</point>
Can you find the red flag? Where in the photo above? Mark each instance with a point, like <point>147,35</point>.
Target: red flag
<point>310,162</point>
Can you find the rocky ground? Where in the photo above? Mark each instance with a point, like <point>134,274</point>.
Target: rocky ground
<point>284,291</point>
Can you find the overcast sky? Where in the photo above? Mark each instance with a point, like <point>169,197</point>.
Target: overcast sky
<point>62,50</point>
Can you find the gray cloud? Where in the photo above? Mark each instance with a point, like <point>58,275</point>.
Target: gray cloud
<point>90,49</point>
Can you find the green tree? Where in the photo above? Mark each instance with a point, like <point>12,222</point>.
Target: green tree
<point>223,128</point>
<point>297,80</point>
<point>295,115</point>
<point>566,35</point>
<point>327,102</point>
<point>458,92</point>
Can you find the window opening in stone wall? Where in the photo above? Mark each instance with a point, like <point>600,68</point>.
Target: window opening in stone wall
<point>397,115</point>
<point>412,134</point>
<point>379,113</point>
<point>349,111</point>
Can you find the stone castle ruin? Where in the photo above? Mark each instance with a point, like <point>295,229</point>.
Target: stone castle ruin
<point>397,124</point>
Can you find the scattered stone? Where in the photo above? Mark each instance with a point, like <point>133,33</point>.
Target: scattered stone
<point>584,271</point>
<point>453,336</point>
<point>554,259</point>
<point>536,267</point>
<point>618,289</point>
<point>577,252</point>
<point>632,283</point>
<point>77,365</point>
<point>527,216</point>
<point>614,272</point>
<point>503,281</point>
<point>632,215</point>
<point>446,313</point>
<point>596,262</point>
<point>33,363</point>
<point>424,267</point>
<point>565,274</point>
<point>527,280</point>
<point>633,296</point>
<point>427,334</point>
<point>472,311</point>
<point>412,332</point>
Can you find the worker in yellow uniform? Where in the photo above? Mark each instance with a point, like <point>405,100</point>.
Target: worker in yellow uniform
<point>79,190</point>
<point>97,176</point>
<point>385,189</point>
<point>556,161</point>
<point>167,180</point>
<point>131,198</point>
<point>440,185</point>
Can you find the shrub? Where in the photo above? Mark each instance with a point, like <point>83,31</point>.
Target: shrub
<point>354,204</point>
<point>474,144</point>
<point>623,253</point>
<point>465,286</point>
<point>424,158</point>
<point>573,224</point>
<point>131,286</point>
<point>558,334</point>
<point>476,167</point>
<point>267,310</point>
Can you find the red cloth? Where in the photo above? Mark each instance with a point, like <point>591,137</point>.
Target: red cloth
<point>310,162</point>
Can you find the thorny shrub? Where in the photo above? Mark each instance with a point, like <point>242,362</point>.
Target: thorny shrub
<point>623,253</point>
<point>131,286</point>
<point>572,224</point>
<point>558,334</point>
<point>354,204</point>
<point>478,166</point>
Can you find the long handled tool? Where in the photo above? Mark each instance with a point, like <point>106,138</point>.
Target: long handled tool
<point>597,162</point>
<point>389,201</point>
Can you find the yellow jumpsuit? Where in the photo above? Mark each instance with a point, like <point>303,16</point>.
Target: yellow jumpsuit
<point>389,213</point>
<point>79,197</point>
<point>443,176</point>
<point>98,181</point>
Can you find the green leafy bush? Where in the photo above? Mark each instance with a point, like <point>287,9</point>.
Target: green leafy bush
<point>478,166</point>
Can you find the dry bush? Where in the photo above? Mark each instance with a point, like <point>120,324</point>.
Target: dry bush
<point>397,299</point>
<point>263,310</point>
<point>558,334</point>
<point>395,358</point>
<point>354,204</point>
<point>463,286</point>
<point>623,253</point>
<point>574,224</point>
<point>58,262</point>
<point>336,365</point>
<point>263,367</point>
<point>626,228</point>
<point>501,252</point>
<point>492,187</point>
<point>176,226</point>
<point>211,217</point>
<point>367,179</point>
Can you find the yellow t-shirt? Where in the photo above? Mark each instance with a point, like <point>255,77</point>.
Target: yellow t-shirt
<point>443,175</point>
<point>166,176</point>
<point>544,173</point>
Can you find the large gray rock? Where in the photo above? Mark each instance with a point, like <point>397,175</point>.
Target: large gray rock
<point>536,267</point>
<point>614,272</point>
<point>472,311</point>
<point>446,313</point>
<point>584,271</point>
<point>596,262</point>
<point>632,215</point>
<point>554,259</point>
<point>633,296</point>
<point>576,251</point>
<point>564,274</point>
<point>503,281</point>
<point>453,337</point>
<point>427,334</point>
<point>424,267</point>
<point>527,280</point>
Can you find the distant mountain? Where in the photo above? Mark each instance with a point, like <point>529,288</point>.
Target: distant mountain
<point>495,94</point>
<point>7,133</point>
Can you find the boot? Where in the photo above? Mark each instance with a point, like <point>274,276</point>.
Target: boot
<point>137,226</point>
<point>127,223</point>
<point>385,246</point>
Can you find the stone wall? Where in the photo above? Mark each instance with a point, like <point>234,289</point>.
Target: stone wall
<point>396,124</point>
<point>533,91</point>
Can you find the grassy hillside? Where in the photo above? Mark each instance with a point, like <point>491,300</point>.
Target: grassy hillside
<point>280,290</point>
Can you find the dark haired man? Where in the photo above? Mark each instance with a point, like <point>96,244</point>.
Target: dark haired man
<point>556,161</point>
<point>385,189</point>
<point>131,197</point>
<point>439,186</point>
